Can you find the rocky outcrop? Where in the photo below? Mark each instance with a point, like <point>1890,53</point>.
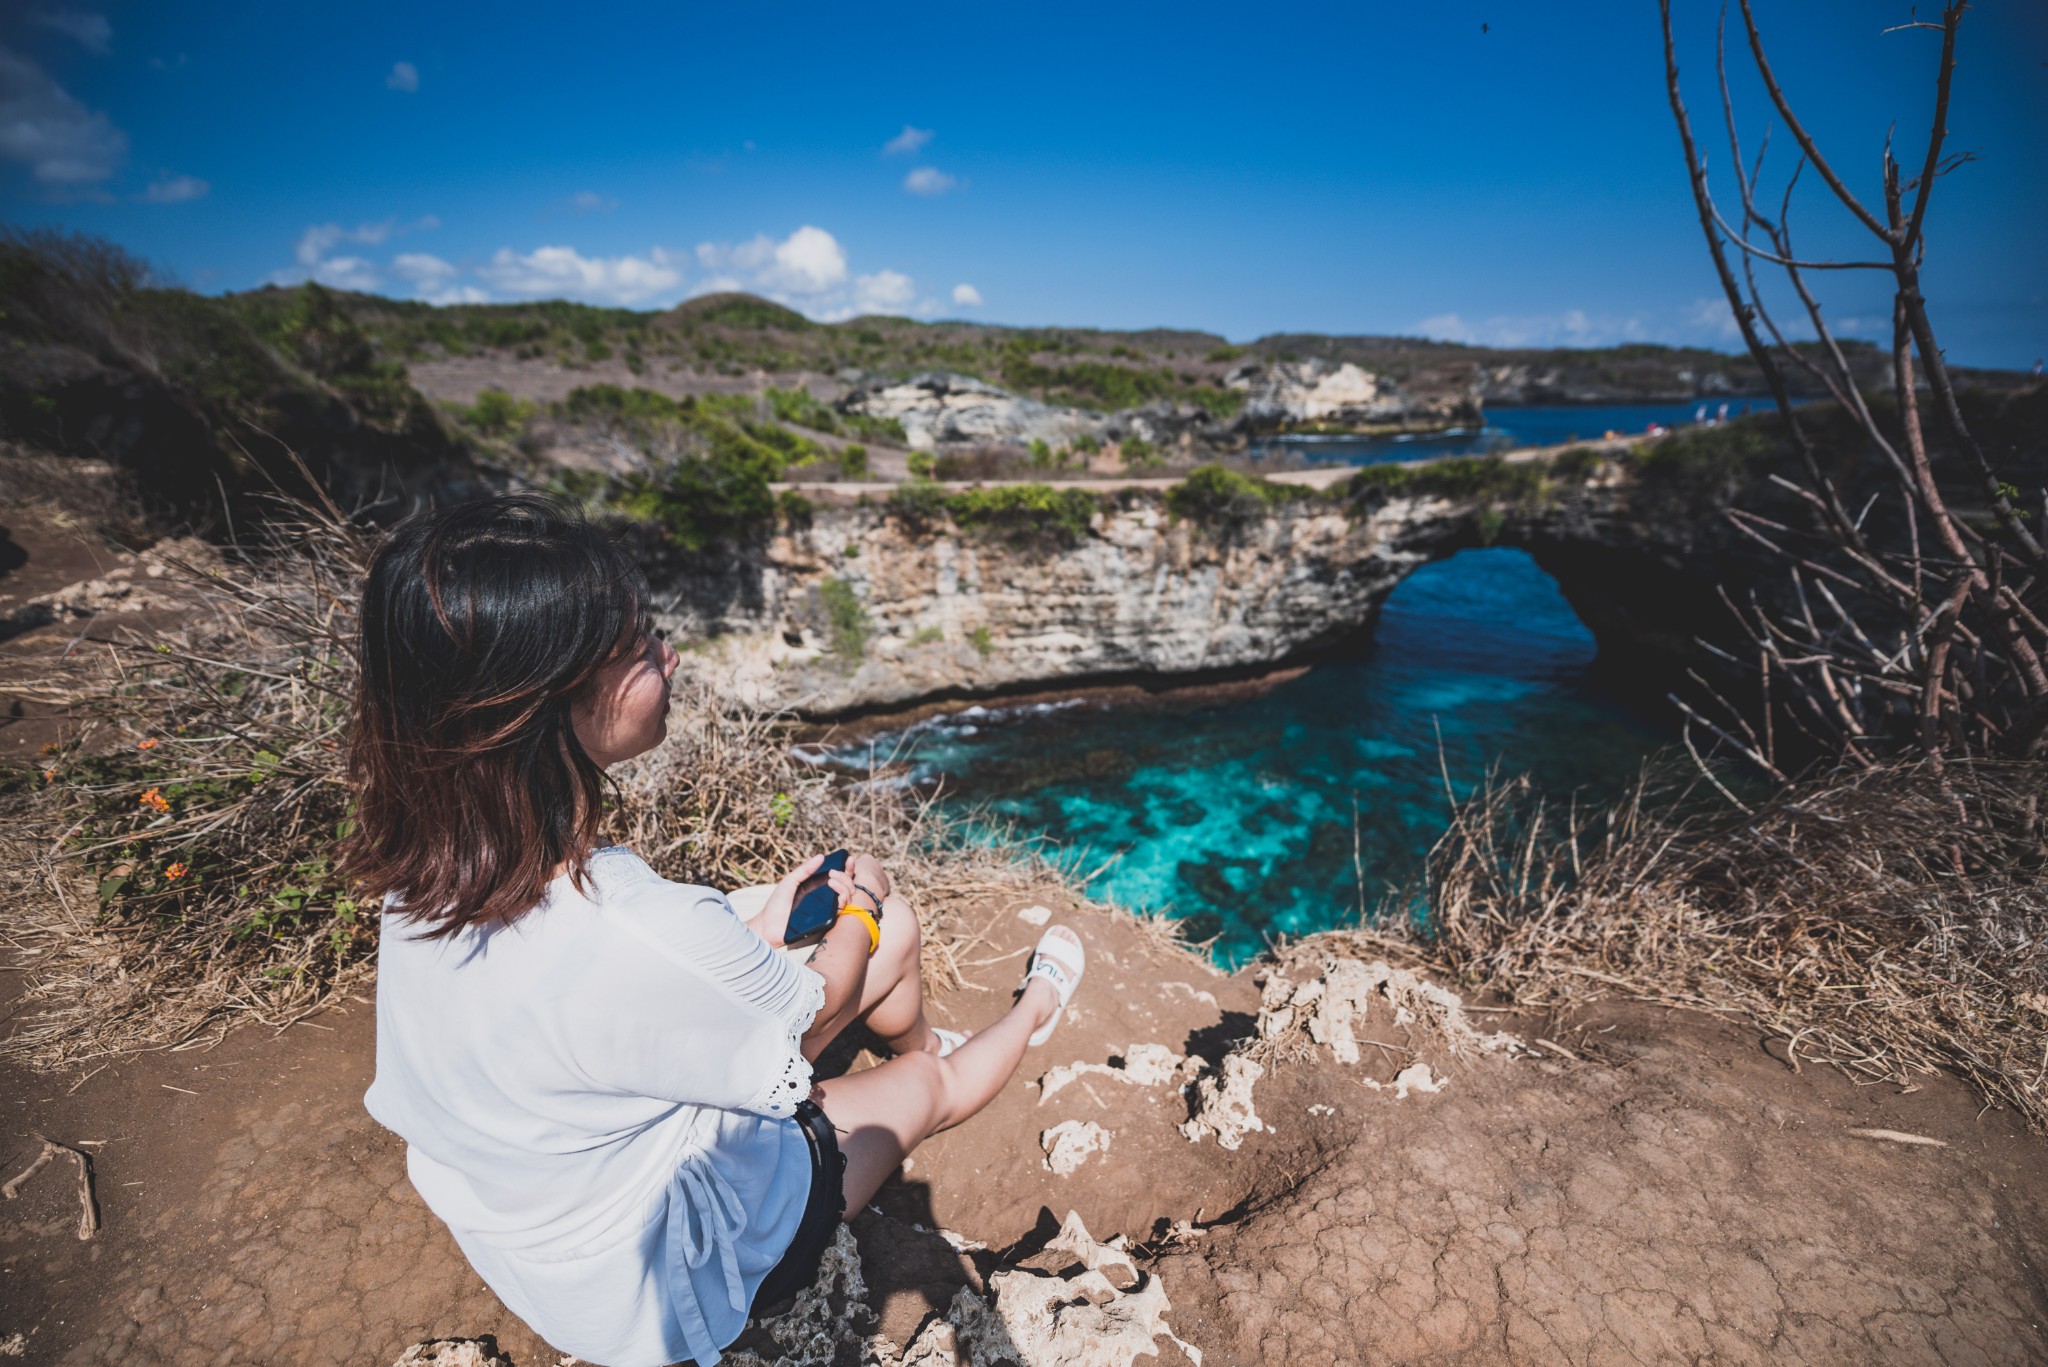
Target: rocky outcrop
<point>942,409</point>
<point>1317,395</point>
<point>861,610</point>
<point>939,409</point>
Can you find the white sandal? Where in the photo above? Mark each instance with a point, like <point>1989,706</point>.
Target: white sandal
<point>1060,961</point>
<point>949,1040</point>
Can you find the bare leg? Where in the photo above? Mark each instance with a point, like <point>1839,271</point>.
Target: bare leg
<point>892,995</point>
<point>884,1112</point>
<point>892,1002</point>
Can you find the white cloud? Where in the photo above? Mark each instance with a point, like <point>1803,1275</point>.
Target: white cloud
<point>1570,328</point>
<point>966,296</point>
<point>322,238</point>
<point>591,202</point>
<point>67,147</point>
<point>809,261</point>
<point>314,253</point>
<point>458,294</point>
<point>908,143</point>
<point>404,76</point>
<point>1713,316</point>
<point>928,181</point>
<point>91,31</point>
<point>347,273</point>
<point>423,269</point>
<point>565,273</point>
<point>808,272</point>
<point>170,189</point>
<point>884,292</point>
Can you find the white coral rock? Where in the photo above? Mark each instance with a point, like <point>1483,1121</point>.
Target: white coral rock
<point>1068,1144</point>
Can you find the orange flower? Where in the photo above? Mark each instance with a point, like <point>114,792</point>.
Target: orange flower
<point>148,744</point>
<point>176,871</point>
<point>49,775</point>
<point>154,799</point>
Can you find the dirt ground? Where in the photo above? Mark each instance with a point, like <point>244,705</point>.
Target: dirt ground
<point>1674,1194</point>
<point>1656,1187</point>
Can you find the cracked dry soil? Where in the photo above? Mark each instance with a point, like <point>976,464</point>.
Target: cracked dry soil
<point>1674,1195</point>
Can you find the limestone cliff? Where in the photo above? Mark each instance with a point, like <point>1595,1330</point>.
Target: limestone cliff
<point>1324,396</point>
<point>861,610</point>
<point>938,409</point>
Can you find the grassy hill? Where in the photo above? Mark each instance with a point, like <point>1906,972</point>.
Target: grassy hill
<point>1093,368</point>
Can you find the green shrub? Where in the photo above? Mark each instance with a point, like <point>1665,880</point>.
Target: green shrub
<point>497,414</point>
<point>1139,454</point>
<point>917,501</point>
<point>853,462</point>
<point>796,510</point>
<point>618,406</point>
<point>922,465</point>
<point>1214,496</point>
<point>1709,462</point>
<point>802,408</point>
<point>701,501</point>
<point>1022,512</point>
<point>1220,403</point>
<point>847,619</point>
<point>886,430</point>
<point>1464,477</point>
<point>1008,512</point>
<point>1041,454</point>
<point>1224,353</point>
<point>1579,464</point>
<point>980,639</point>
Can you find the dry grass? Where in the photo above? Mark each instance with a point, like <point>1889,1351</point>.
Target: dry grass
<point>167,871</point>
<point>1885,922</point>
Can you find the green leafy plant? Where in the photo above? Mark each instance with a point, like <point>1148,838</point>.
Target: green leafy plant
<point>1021,512</point>
<point>983,643</point>
<point>497,414</point>
<point>1215,496</point>
<point>846,617</point>
<point>795,509</point>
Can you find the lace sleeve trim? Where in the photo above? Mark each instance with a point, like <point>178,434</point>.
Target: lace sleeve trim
<point>778,1097</point>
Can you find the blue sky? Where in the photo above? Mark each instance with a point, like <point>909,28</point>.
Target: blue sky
<point>1375,167</point>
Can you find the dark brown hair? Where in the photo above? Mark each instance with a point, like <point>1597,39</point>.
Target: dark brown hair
<point>482,625</point>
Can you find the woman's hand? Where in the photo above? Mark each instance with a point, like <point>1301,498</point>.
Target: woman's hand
<point>863,874</point>
<point>773,920</point>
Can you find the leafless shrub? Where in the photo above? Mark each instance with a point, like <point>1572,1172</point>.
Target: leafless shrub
<point>1916,617</point>
<point>1835,917</point>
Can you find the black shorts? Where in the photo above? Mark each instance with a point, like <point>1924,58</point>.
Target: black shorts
<point>820,1222</point>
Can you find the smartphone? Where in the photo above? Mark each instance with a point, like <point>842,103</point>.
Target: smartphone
<point>816,905</point>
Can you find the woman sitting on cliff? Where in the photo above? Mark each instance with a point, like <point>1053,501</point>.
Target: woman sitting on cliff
<point>604,1078</point>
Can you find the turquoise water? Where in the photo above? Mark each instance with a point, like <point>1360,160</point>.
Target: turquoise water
<point>1505,429</point>
<point>1290,810</point>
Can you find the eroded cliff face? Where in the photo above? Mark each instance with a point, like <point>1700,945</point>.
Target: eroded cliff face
<point>939,410</point>
<point>860,611</point>
<point>1324,396</point>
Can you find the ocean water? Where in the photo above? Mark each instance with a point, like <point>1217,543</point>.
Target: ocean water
<point>1291,810</point>
<point>1505,429</point>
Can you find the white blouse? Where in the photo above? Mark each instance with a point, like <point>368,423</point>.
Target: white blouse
<point>595,1098</point>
